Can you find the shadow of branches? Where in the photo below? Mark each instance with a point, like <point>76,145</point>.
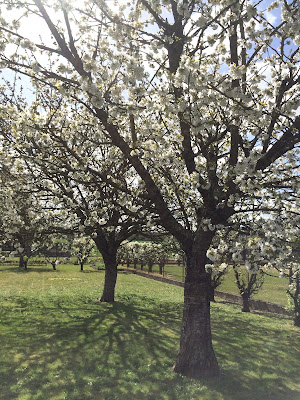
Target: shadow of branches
<point>78,349</point>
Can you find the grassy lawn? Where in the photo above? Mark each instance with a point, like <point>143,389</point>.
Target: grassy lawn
<point>273,290</point>
<point>58,342</point>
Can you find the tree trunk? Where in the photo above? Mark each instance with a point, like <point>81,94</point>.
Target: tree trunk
<point>21,261</point>
<point>110,279</point>
<point>81,266</point>
<point>296,300</point>
<point>161,268</point>
<point>212,294</point>
<point>53,266</point>
<point>245,307</point>
<point>297,319</point>
<point>196,357</point>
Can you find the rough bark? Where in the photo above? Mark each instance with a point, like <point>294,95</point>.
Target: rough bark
<point>196,357</point>
<point>161,267</point>
<point>297,319</point>
<point>296,301</point>
<point>110,262</point>
<point>245,306</point>
<point>21,262</point>
<point>212,294</point>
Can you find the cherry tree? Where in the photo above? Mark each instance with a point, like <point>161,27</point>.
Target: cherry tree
<point>285,257</point>
<point>27,218</point>
<point>217,275</point>
<point>82,249</point>
<point>69,160</point>
<point>19,223</point>
<point>199,97</point>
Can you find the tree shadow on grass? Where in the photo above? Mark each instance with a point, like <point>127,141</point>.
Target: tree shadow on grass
<point>259,354</point>
<point>83,350</point>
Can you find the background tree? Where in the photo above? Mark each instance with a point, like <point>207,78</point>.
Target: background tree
<point>248,284</point>
<point>68,159</point>
<point>248,260</point>
<point>217,275</point>
<point>28,218</point>
<point>82,249</point>
<point>162,256</point>
<point>284,257</point>
<point>57,248</point>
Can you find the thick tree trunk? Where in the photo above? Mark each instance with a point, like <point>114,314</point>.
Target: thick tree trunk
<point>245,306</point>
<point>21,261</point>
<point>297,319</point>
<point>296,306</point>
<point>110,279</point>
<point>108,248</point>
<point>196,357</point>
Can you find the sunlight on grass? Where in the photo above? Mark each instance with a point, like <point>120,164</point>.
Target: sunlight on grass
<point>59,342</point>
<point>273,290</point>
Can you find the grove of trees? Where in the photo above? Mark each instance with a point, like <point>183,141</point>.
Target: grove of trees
<point>181,114</point>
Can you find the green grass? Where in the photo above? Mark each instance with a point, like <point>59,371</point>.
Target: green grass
<point>58,342</point>
<point>273,290</point>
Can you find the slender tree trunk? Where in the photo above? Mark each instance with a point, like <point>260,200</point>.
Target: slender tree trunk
<point>297,302</point>
<point>212,294</point>
<point>245,306</point>
<point>110,262</point>
<point>161,269</point>
<point>196,357</point>
<point>53,266</point>
<point>81,266</point>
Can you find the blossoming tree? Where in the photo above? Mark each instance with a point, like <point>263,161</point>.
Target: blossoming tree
<point>199,96</point>
<point>28,218</point>
<point>69,160</point>
<point>82,249</point>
